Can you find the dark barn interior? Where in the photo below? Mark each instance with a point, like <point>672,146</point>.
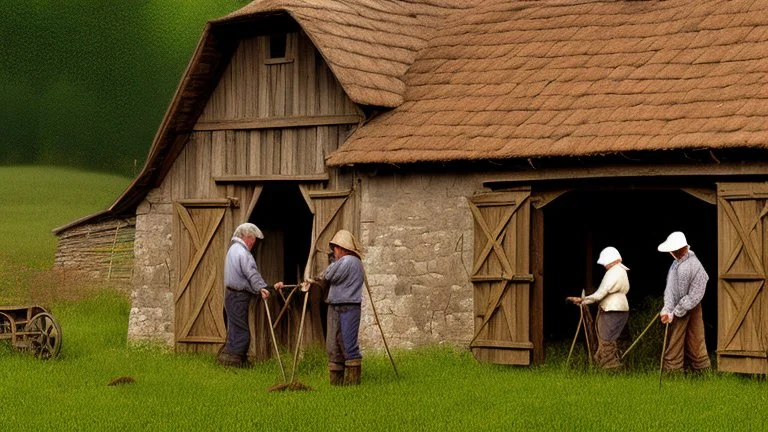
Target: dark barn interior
<point>579,224</point>
<point>283,216</point>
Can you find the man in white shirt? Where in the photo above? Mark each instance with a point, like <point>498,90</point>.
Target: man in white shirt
<point>613,311</point>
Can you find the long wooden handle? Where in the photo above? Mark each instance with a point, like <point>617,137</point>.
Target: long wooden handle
<point>274,340</point>
<point>578,328</point>
<point>285,306</point>
<point>653,320</point>
<point>663,350</point>
<point>376,317</point>
<point>298,339</point>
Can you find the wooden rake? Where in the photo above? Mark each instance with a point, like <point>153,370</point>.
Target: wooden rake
<point>293,384</point>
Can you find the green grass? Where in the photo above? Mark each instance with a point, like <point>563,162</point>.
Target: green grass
<point>439,388</point>
<point>36,200</point>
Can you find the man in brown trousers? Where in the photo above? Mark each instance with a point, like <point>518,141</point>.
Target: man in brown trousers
<point>686,283</point>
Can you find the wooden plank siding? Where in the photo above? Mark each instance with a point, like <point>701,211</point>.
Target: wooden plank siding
<point>741,285</point>
<point>263,122</point>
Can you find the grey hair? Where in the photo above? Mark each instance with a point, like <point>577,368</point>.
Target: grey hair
<point>248,230</point>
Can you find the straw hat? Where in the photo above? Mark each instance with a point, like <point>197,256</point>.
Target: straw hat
<point>608,255</point>
<point>675,241</point>
<point>346,240</point>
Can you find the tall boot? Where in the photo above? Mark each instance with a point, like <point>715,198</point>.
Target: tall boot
<point>336,371</point>
<point>352,375</point>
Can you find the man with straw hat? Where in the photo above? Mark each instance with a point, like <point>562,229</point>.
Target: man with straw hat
<point>242,281</point>
<point>345,277</point>
<point>686,283</point>
<point>613,312</point>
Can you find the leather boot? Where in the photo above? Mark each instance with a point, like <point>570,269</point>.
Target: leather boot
<point>336,371</point>
<point>352,375</point>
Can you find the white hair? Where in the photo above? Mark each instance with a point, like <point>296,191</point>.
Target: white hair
<point>248,230</point>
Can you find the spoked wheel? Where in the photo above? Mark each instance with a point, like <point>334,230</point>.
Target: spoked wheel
<point>45,335</point>
<point>7,326</point>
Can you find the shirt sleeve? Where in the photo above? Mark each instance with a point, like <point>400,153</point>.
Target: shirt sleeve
<point>336,271</point>
<point>251,272</point>
<point>695,293</point>
<point>669,299</point>
<point>608,282</point>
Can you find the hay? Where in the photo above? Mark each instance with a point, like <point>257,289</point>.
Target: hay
<point>292,386</point>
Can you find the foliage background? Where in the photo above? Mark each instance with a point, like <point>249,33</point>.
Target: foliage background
<point>85,83</point>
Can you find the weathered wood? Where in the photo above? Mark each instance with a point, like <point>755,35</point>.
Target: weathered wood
<point>199,293</point>
<point>276,122</point>
<point>742,260</point>
<point>502,306</point>
<point>306,178</point>
<point>619,171</point>
<point>537,294</point>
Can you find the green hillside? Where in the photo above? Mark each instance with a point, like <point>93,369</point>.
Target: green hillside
<point>85,83</point>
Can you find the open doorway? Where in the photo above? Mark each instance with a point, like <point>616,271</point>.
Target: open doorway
<point>283,216</point>
<point>579,224</point>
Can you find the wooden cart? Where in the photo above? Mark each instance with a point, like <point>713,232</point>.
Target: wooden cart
<point>32,329</point>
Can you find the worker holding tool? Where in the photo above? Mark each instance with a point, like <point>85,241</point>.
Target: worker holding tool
<point>345,277</point>
<point>242,281</point>
<point>686,283</point>
<point>613,311</point>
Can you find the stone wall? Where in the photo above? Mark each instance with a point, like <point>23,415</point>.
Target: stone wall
<point>151,317</point>
<point>417,232</point>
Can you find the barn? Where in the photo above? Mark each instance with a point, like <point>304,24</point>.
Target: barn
<point>484,152</point>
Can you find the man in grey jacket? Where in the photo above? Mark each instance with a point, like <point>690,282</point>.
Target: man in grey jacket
<point>242,281</point>
<point>686,283</point>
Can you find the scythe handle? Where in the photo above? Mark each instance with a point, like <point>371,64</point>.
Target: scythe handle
<point>378,323</point>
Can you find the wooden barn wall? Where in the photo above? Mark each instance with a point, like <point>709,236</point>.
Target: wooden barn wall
<point>103,249</point>
<point>265,121</point>
<point>301,86</point>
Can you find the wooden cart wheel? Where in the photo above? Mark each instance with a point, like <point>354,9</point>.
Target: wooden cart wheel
<point>45,341</point>
<point>7,326</point>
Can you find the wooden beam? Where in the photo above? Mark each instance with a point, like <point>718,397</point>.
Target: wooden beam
<point>614,171</point>
<point>277,122</point>
<point>268,178</point>
<point>742,353</point>
<point>485,343</point>
<point>204,202</point>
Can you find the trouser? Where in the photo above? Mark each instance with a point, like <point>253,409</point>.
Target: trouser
<point>343,326</point>
<point>609,327</point>
<point>238,336</point>
<point>686,342</point>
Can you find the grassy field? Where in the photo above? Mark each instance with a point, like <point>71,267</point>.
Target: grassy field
<point>439,388</point>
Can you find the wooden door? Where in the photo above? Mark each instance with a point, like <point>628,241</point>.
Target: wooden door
<point>200,245</point>
<point>501,277</point>
<point>742,303</point>
<point>332,211</point>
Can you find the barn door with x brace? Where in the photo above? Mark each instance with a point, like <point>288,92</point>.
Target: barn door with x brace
<point>200,243</point>
<point>501,277</point>
<point>742,302</point>
<point>332,211</point>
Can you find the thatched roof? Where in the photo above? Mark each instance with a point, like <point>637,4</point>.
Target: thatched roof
<point>512,79</point>
<point>368,44</point>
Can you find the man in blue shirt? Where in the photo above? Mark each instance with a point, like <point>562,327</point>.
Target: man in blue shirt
<point>345,277</point>
<point>242,281</point>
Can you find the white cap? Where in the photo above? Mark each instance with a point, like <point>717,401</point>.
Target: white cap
<point>608,255</point>
<point>674,241</point>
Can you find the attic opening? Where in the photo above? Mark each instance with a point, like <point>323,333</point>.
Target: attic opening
<point>579,224</point>
<point>278,43</point>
